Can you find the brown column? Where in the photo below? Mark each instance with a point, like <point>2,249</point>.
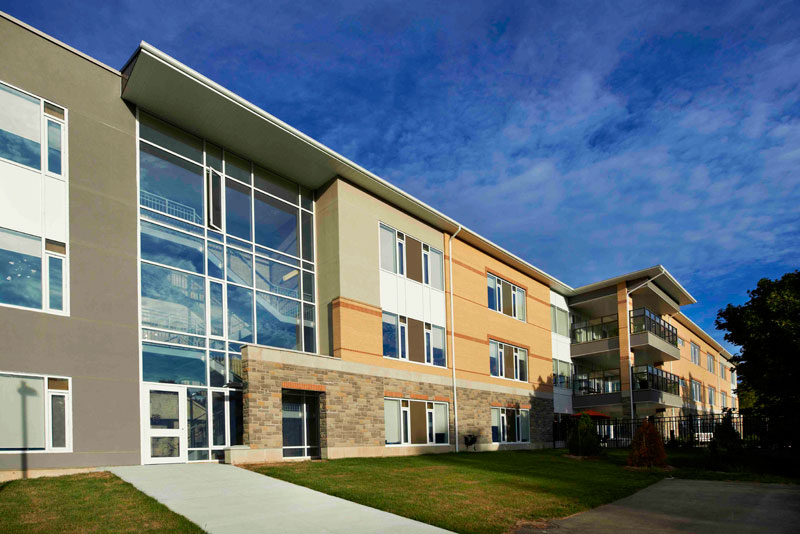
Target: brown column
<point>625,354</point>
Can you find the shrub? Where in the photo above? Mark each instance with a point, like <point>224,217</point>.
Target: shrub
<point>725,449</point>
<point>583,439</point>
<point>647,448</point>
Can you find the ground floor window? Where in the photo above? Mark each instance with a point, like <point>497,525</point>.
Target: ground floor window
<point>36,413</point>
<point>301,424</point>
<point>412,422</point>
<point>510,425</point>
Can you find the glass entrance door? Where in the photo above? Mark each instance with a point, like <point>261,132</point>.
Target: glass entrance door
<point>164,436</point>
<point>300,424</point>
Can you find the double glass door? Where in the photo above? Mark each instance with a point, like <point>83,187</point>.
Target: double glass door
<point>189,424</point>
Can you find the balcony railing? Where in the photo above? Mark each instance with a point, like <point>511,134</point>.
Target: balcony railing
<point>596,382</point>
<point>647,377</point>
<point>643,320</point>
<point>595,329</point>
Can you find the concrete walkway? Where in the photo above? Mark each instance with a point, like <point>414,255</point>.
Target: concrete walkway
<point>673,506</point>
<point>223,498</point>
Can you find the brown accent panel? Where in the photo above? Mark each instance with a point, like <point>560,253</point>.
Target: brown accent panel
<point>511,425</point>
<point>508,356</point>
<point>55,246</point>
<point>414,259</point>
<point>419,424</point>
<point>416,340</point>
<point>507,308</point>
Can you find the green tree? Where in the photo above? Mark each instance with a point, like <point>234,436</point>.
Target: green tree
<point>767,328</point>
<point>583,439</point>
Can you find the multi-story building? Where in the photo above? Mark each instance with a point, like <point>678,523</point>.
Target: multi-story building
<point>184,277</point>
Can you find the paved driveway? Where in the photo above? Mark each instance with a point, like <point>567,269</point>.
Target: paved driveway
<point>673,506</point>
<point>223,498</point>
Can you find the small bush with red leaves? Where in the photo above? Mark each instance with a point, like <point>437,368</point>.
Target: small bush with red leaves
<point>647,448</point>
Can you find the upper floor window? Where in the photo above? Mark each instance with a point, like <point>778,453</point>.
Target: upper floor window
<point>508,361</point>
<point>33,203</point>
<point>722,370</point>
<point>695,351</point>
<point>505,297</point>
<point>733,377</point>
<point>723,399</point>
<point>680,342</point>
<point>409,257</point>
<point>697,391</point>
<point>711,395</point>
<point>710,362</point>
<point>407,339</point>
<point>562,374</point>
<point>559,319</point>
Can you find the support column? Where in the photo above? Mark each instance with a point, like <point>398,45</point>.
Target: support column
<point>624,304</point>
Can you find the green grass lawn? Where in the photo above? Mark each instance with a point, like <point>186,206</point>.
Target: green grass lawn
<point>487,492</point>
<point>92,502</point>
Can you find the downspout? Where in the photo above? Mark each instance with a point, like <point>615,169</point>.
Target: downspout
<point>453,337</point>
<point>628,330</point>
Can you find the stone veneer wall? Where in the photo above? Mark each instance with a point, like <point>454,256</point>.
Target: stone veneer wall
<point>352,412</point>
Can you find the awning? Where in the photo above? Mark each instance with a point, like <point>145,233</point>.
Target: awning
<point>592,413</point>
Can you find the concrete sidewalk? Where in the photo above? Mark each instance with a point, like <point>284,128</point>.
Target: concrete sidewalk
<point>223,498</point>
<point>673,506</point>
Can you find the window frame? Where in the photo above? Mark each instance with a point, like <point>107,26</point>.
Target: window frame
<point>515,296</point>
<point>694,352</point>
<point>503,420</point>
<point>430,422</point>
<point>501,361</point>
<point>48,419</point>
<point>400,254</point>
<point>44,171</point>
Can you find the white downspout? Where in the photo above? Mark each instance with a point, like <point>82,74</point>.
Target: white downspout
<point>628,330</point>
<point>453,338</point>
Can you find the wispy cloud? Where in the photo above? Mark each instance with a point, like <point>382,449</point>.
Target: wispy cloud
<point>590,139</point>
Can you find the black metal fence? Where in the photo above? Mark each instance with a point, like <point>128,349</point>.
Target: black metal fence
<point>685,430</point>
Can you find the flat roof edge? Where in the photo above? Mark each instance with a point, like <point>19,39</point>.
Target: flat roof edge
<point>705,335</point>
<point>55,41</point>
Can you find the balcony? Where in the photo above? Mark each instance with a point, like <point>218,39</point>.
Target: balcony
<point>656,386</point>
<point>653,340</point>
<point>597,339</point>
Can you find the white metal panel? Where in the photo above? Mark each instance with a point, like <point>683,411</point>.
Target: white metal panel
<point>414,307</point>
<point>55,204</point>
<point>426,304</point>
<point>389,292</point>
<point>20,199</point>
<point>558,300</point>
<point>438,313</point>
<point>400,288</point>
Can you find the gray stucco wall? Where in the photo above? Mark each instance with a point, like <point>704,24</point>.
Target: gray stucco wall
<point>97,345</point>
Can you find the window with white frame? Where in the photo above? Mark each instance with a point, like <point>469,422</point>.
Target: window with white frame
<point>733,377</point>
<point>695,353</point>
<point>559,319</point>
<point>37,413</point>
<point>33,206</point>
<point>723,399</point>
<point>415,422</point>
<point>505,297</point>
<point>697,391</point>
<point>722,370</point>
<point>680,342</point>
<point>511,425</point>
<point>395,336</point>
<point>711,399</point>
<point>401,254</point>
<point>710,362</point>
<point>508,361</point>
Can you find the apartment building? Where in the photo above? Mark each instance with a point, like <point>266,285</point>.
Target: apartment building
<point>184,277</point>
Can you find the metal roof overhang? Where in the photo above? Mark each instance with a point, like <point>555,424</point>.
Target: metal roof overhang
<point>665,282</point>
<point>158,83</point>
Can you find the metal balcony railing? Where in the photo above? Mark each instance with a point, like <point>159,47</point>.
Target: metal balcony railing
<point>595,329</point>
<point>648,377</point>
<point>643,320</point>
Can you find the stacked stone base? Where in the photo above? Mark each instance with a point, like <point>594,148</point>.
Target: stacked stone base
<point>352,407</point>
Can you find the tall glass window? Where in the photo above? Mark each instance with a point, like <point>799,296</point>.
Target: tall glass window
<point>227,259</point>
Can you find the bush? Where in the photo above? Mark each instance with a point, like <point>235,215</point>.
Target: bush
<point>725,449</point>
<point>647,448</point>
<point>583,439</point>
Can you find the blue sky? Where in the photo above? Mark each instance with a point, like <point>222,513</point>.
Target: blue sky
<point>591,140</point>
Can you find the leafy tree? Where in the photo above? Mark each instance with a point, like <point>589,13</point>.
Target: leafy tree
<point>767,328</point>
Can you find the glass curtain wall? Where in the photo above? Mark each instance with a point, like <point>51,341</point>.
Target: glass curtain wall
<point>227,259</point>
